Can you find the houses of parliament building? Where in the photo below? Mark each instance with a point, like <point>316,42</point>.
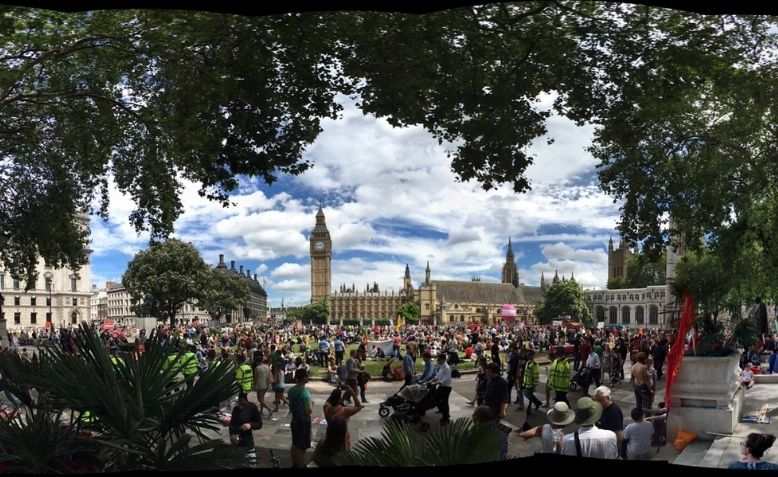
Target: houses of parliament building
<point>439,302</point>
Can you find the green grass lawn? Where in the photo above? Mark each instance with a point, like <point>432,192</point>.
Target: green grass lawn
<point>375,368</point>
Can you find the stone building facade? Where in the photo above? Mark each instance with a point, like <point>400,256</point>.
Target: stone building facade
<point>617,260</point>
<point>59,298</point>
<point>650,307</point>
<point>98,304</point>
<point>632,307</point>
<point>439,302</point>
<point>256,304</point>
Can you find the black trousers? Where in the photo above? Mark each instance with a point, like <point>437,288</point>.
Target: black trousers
<point>441,398</point>
<point>339,357</point>
<point>530,393</point>
<point>658,365</point>
<point>561,396</point>
<point>642,397</point>
<point>595,377</point>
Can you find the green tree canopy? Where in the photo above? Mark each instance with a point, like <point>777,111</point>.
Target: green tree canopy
<point>148,98</point>
<point>169,274</point>
<point>225,293</point>
<point>410,312</point>
<point>316,313</point>
<point>564,298</point>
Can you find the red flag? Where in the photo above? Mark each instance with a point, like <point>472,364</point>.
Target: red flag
<point>676,352</point>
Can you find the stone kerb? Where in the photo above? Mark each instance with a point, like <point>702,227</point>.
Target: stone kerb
<point>706,396</point>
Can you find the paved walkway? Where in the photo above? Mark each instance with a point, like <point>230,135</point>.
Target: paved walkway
<point>276,434</point>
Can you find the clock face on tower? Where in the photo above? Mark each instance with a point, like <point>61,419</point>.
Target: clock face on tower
<point>318,246</point>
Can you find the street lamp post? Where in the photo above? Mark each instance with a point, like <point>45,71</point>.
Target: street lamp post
<point>49,285</point>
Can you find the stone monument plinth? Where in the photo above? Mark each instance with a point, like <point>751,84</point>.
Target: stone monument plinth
<point>706,397</point>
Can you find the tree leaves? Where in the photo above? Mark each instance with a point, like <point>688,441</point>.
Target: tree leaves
<point>680,101</point>
<point>460,442</point>
<point>168,275</point>
<point>563,298</point>
<point>140,423</point>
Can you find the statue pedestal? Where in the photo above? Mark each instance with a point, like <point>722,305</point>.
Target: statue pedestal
<point>706,397</point>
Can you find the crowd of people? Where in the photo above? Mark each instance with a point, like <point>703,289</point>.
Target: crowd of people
<point>279,359</point>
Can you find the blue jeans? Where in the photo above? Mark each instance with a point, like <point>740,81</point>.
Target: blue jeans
<point>773,362</point>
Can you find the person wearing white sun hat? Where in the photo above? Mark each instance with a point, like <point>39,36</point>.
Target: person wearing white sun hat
<point>552,434</point>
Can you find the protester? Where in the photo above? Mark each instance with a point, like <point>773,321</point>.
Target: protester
<point>352,375</point>
<point>753,450</point>
<point>246,418</point>
<point>637,437</point>
<point>409,365</point>
<point>747,376</point>
<point>612,418</point>
<point>484,416</point>
<point>336,443</point>
<point>641,382</point>
<point>263,379</point>
<point>496,397</point>
<point>300,407</point>
<point>589,440</point>
<point>428,372</point>
<point>552,434</point>
<point>443,391</point>
<point>594,364</point>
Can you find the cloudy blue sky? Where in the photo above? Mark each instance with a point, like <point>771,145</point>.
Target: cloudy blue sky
<point>390,198</point>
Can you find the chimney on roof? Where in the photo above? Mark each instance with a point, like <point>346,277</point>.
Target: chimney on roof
<point>232,265</point>
<point>248,273</point>
<point>255,277</point>
<point>241,270</point>
<point>221,260</point>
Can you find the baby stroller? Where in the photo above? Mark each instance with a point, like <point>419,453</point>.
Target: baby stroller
<point>410,404</point>
<point>581,379</point>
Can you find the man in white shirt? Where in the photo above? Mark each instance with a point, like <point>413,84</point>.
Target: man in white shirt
<point>592,441</point>
<point>443,380</point>
<point>595,366</point>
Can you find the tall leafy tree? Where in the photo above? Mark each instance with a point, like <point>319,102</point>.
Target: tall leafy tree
<point>169,274</point>
<point>316,313</point>
<point>225,293</point>
<point>564,298</point>
<point>409,311</point>
<point>147,98</point>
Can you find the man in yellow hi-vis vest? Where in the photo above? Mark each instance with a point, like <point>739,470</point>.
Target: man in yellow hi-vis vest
<point>189,366</point>
<point>559,376</point>
<point>244,375</point>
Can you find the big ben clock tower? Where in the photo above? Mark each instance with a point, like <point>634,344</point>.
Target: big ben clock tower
<point>321,258</point>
